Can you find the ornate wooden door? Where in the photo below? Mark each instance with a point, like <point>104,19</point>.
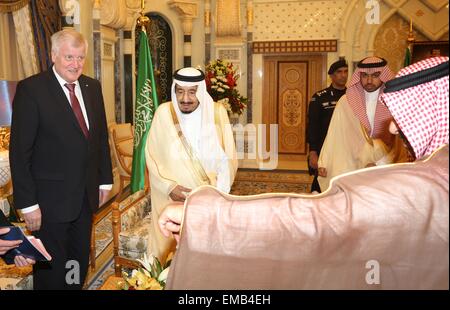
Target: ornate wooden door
<point>289,83</point>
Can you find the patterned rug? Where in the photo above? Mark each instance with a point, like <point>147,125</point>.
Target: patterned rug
<point>254,181</point>
<point>97,281</point>
<point>103,234</point>
<point>103,245</point>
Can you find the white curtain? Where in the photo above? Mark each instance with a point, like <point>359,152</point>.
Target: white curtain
<point>27,49</point>
<point>10,63</point>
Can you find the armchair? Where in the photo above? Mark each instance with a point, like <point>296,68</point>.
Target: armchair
<point>121,136</point>
<point>131,220</point>
<point>121,145</point>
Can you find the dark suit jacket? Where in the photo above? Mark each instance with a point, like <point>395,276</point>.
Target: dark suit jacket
<point>52,163</point>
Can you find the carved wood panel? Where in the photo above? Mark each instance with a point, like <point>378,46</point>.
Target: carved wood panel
<point>292,101</point>
<point>289,83</point>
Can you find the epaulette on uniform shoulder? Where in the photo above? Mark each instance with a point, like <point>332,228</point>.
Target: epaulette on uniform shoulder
<point>321,92</point>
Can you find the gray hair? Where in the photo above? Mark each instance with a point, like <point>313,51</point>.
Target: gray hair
<point>75,38</point>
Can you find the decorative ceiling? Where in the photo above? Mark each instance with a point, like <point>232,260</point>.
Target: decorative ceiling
<point>430,16</point>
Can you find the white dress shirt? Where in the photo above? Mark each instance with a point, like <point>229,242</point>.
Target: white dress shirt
<point>78,94</point>
<point>371,106</point>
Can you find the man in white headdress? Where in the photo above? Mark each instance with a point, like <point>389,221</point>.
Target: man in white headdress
<point>190,144</point>
<point>376,228</point>
<point>358,135</point>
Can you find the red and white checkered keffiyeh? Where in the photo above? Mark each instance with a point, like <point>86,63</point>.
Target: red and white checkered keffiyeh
<point>356,100</point>
<point>421,112</point>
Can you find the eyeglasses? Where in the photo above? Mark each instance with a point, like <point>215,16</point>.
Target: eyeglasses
<point>71,58</point>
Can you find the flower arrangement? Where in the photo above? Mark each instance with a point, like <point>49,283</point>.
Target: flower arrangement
<point>221,81</point>
<point>152,275</point>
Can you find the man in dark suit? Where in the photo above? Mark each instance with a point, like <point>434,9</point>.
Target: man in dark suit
<point>60,160</point>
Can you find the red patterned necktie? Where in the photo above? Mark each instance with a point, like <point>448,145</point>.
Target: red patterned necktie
<point>77,109</point>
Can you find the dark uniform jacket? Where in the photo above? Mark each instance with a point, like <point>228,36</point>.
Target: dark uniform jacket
<point>320,110</point>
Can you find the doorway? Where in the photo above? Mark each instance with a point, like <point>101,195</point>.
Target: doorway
<point>288,85</point>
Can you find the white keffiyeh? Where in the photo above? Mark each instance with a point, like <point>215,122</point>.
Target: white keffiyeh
<point>199,129</point>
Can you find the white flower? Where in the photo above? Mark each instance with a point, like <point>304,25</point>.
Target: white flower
<point>213,80</point>
<point>146,262</point>
<point>163,275</point>
<point>226,86</point>
<point>147,273</point>
<point>214,86</point>
<point>223,101</point>
<point>220,90</point>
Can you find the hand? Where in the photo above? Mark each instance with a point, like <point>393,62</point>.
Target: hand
<point>322,172</point>
<point>102,196</point>
<point>170,220</point>
<point>177,193</point>
<point>33,219</point>
<point>6,245</point>
<point>22,261</point>
<point>313,159</point>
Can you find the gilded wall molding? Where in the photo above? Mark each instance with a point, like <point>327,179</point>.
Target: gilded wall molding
<point>133,4</point>
<point>113,13</point>
<point>390,41</point>
<point>133,12</point>
<point>287,47</point>
<point>184,7</point>
<point>250,13</point>
<point>12,5</point>
<point>207,14</point>
<point>228,18</point>
<point>65,7</point>
<point>187,10</point>
<point>424,13</point>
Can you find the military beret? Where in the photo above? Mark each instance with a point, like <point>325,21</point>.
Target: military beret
<point>336,65</point>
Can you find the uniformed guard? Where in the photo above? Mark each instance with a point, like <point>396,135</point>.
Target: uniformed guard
<point>320,110</point>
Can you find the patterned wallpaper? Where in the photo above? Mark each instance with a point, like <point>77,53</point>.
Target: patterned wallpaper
<point>391,41</point>
<point>294,20</point>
